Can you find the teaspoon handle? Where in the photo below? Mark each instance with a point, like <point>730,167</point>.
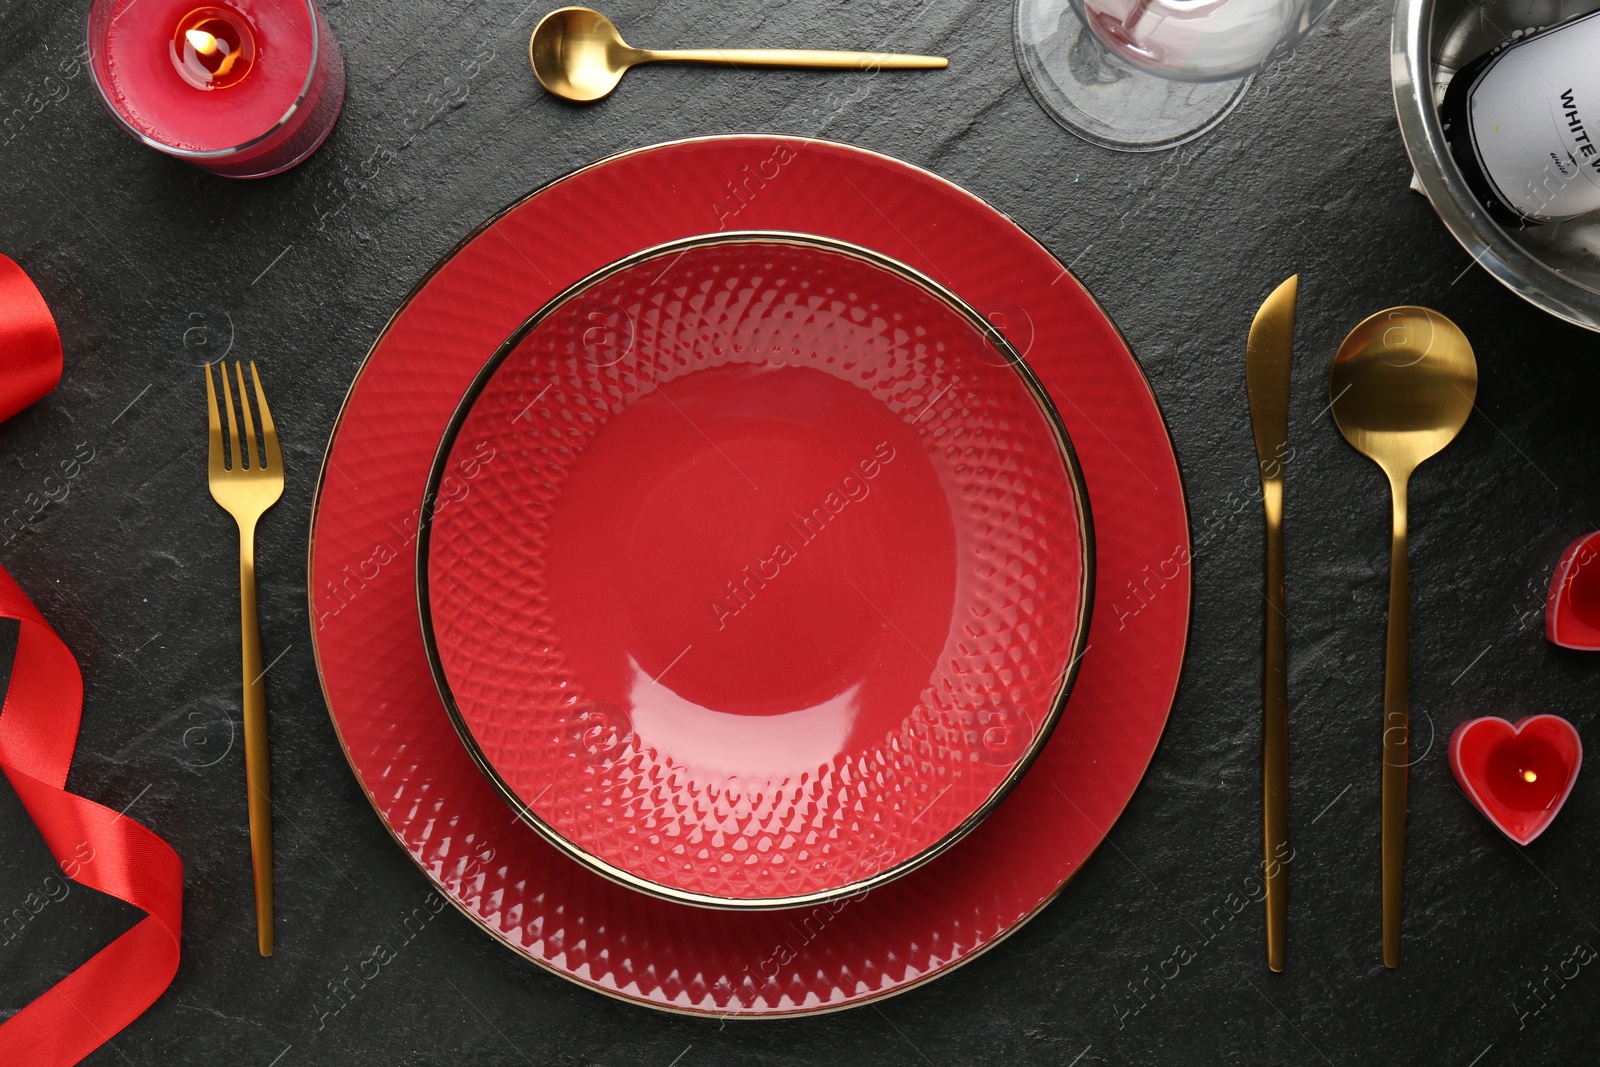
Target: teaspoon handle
<point>796,57</point>
<point>1396,727</point>
<point>1275,737</point>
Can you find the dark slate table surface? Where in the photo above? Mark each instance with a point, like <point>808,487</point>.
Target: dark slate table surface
<point>153,267</point>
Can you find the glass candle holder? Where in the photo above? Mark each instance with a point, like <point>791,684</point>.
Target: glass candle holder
<point>1142,75</point>
<point>242,88</point>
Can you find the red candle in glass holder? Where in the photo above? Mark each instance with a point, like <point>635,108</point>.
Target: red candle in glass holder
<point>1519,775</point>
<point>243,88</point>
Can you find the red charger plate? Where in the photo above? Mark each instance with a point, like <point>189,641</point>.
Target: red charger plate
<point>767,590</point>
<point>496,868</point>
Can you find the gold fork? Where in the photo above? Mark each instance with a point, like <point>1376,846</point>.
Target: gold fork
<point>246,489</point>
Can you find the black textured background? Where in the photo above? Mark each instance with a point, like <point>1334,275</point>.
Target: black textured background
<point>153,267</point>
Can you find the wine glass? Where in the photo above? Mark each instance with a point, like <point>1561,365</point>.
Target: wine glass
<point>1140,75</point>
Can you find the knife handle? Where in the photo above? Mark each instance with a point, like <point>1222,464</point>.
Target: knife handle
<point>1275,737</point>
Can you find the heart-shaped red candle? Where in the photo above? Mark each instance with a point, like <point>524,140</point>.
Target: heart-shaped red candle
<point>1572,614</point>
<point>1519,776</point>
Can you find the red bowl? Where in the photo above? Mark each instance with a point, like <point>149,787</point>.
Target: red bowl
<point>755,570</point>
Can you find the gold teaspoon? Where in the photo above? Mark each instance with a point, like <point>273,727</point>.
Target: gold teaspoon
<point>578,54</point>
<point>1402,386</point>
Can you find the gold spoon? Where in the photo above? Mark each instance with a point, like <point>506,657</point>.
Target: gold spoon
<point>1402,385</point>
<point>578,54</point>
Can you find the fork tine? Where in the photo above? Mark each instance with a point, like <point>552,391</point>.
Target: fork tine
<point>233,425</point>
<point>252,458</point>
<point>216,460</point>
<point>269,433</point>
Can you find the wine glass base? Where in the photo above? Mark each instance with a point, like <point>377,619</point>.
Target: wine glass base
<point>1102,99</point>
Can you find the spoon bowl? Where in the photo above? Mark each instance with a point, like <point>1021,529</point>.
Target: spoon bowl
<point>579,54</point>
<point>1402,386</point>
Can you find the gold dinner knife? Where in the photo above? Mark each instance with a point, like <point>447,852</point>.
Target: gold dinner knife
<point>1266,364</point>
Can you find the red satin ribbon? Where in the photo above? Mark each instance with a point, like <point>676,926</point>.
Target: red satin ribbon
<point>96,846</point>
<point>30,345</point>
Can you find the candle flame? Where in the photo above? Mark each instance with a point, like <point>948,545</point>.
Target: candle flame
<point>1530,777</point>
<point>202,42</point>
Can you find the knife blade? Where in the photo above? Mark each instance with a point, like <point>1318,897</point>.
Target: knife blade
<point>1268,355</point>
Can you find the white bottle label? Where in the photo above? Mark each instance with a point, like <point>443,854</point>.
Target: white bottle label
<point>1535,122</point>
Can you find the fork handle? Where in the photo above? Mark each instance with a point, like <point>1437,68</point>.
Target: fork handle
<point>256,774</point>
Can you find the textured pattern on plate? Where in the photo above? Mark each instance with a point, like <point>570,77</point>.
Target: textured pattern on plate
<point>448,817</point>
<point>769,356</point>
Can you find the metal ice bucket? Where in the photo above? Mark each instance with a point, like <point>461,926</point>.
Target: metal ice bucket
<point>1554,267</point>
